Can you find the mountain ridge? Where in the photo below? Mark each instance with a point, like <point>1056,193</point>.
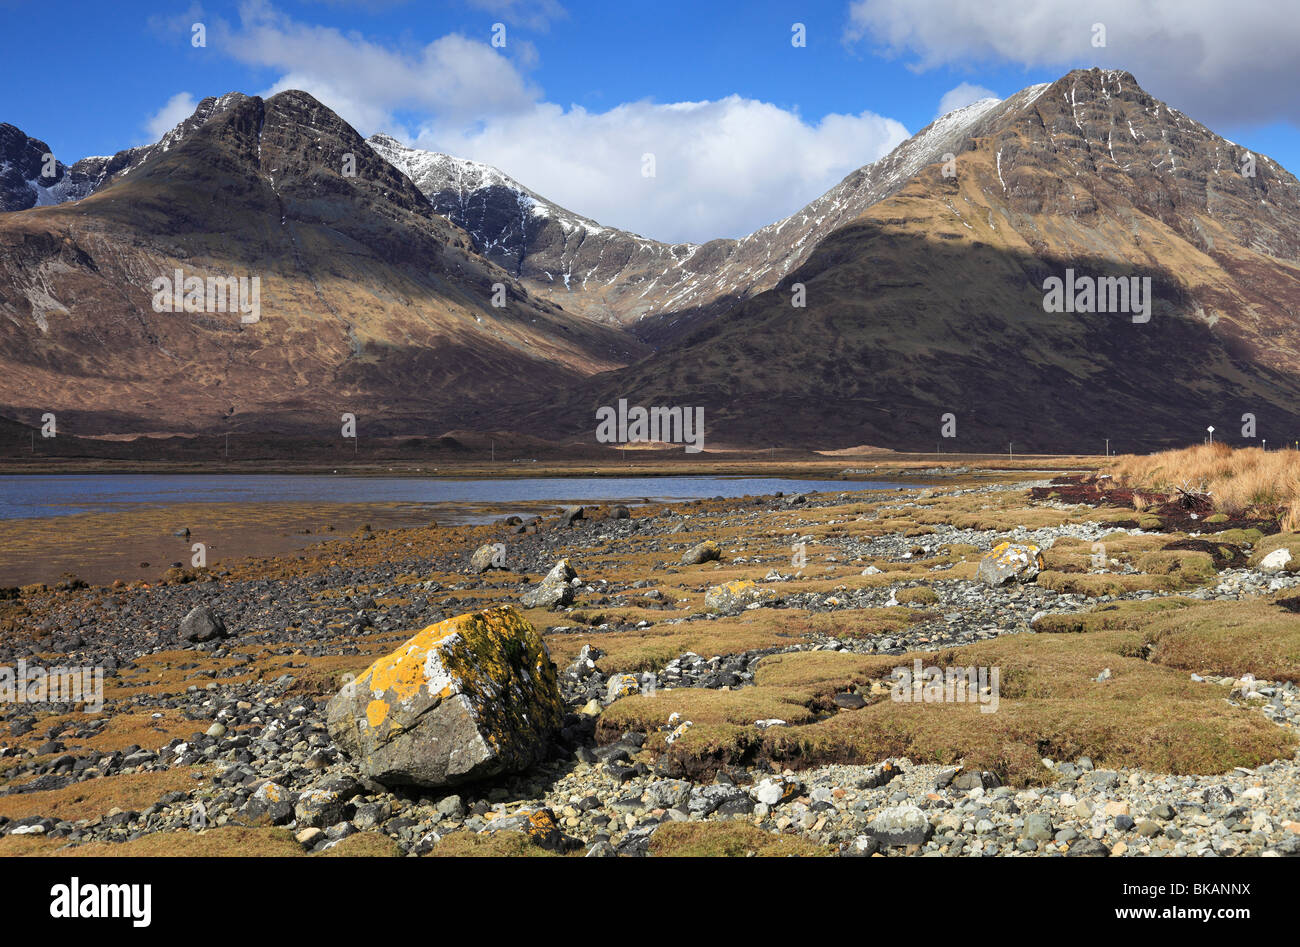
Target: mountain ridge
<point>369,298</point>
<point>915,277</point>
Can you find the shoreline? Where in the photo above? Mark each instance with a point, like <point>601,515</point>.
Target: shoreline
<point>795,746</point>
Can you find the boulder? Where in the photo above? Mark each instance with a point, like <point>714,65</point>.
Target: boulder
<point>1007,561</point>
<point>271,804</point>
<point>706,551</point>
<point>326,803</point>
<point>570,513</point>
<point>468,698</point>
<point>1276,561</point>
<point>561,572</point>
<point>901,825</point>
<point>620,686</point>
<point>776,790</point>
<point>554,591</point>
<point>739,594</point>
<point>547,596</point>
<point>202,624</point>
<point>488,556</point>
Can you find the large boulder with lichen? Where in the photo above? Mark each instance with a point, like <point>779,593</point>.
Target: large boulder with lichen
<point>739,594</point>
<point>1007,561</point>
<point>707,551</point>
<point>489,556</point>
<point>472,697</point>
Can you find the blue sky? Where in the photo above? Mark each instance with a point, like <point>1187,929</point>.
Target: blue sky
<point>582,89</point>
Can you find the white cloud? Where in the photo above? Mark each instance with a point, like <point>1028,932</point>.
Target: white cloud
<point>963,95</point>
<point>722,168</point>
<point>1235,64</point>
<point>532,14</point>
<point>178,108</point>
<point>366,82</point>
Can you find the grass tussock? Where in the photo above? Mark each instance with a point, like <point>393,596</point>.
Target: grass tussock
<point>1097,585</point>
<point>1148,714</point>
<point>224,842</point>
<point>1238,480</point>
<point>728,840</point>
<point>503,844</point>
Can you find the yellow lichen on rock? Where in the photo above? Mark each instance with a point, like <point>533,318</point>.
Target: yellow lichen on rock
<point>1007,561</point>
<point>471,694</point>
<point>739,593</point>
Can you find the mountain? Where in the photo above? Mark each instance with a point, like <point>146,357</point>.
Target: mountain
<point>601,272</point>
<point>370,302</point>
<point>661,289</point>
<point>30,175</point>
<point>929,299</point>
<point>924,277</point>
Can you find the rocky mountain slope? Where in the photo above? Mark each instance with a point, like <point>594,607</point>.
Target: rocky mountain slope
<point>370,302</point>
<point>924,281</point>
<point>931,300</point>
<point>661,288</point>
<point>24,183</point>
<point>28,178</point>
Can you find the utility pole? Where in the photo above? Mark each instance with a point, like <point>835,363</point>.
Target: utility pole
<point>1108,447</point>
<point>1010,456</point>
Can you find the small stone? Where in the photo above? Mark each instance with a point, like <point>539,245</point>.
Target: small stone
<point>1038,826</point>
<point>901,825</point>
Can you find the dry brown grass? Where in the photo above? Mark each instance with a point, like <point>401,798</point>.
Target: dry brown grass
<point>1149,714</point>
<point>224,842</point>
<point>649,649</point>
<point>1256,636</point>
<point>1096,585</point>
<point>503,844</point>
<point>1237,479</point>
<point>728,840</point>
<point>92,798</point>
